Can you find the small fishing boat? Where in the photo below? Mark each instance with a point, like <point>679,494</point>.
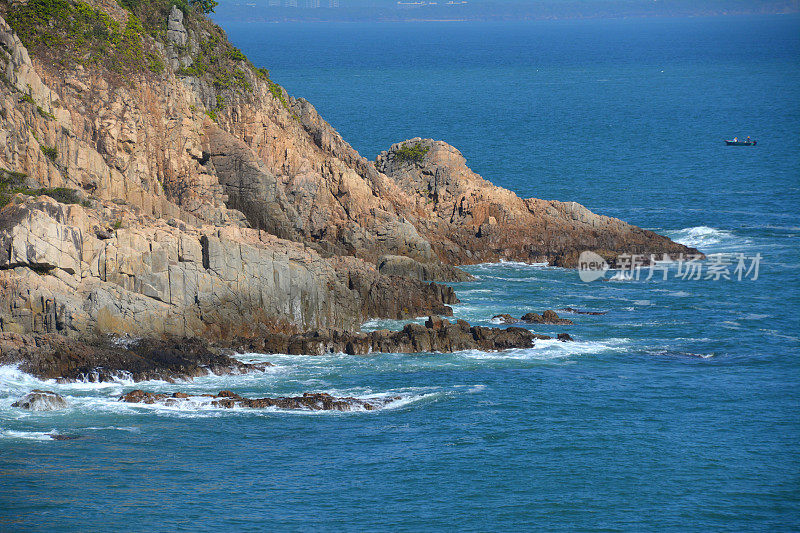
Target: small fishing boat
<point>736,142</point>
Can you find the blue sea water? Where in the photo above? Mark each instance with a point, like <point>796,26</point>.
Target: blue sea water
<point>678,409</point>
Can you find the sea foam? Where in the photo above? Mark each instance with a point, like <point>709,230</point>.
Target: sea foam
<point>706,238</point>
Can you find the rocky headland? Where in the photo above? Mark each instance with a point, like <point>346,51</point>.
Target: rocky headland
<point>156,185</point>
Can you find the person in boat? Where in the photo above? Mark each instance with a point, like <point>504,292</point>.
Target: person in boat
<point>748,138</point>
<point>736,139</point>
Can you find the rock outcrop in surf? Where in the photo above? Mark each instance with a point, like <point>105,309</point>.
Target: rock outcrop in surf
<point>436,335</point>
<point>41,400</point>
<point>309,401</point>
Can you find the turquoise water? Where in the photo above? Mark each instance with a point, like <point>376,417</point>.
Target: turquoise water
<point>676,410</point>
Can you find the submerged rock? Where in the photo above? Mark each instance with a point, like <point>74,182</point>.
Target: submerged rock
<point>577,312</point>
<point>59,436</point>
<point>228,400</point>
<point>548,317</point>
<point>505,318</point>
<point>41,400</point>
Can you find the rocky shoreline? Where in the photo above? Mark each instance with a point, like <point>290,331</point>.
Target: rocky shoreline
<point>68,360</point>
<point>436,335</point>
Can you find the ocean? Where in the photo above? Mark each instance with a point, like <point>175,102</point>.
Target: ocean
<point>678,409</point>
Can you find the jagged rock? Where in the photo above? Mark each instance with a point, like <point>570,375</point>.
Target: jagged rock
<point>565,337</point>
<point>399,265</point>
<point>176,32</point>
<point>152,278</point>
<point>41,400</point>
<point>59,436</point>
<point>548,317</point>
<point>436,322</point>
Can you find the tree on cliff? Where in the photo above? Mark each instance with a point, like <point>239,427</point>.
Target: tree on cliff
<point>206,6</point>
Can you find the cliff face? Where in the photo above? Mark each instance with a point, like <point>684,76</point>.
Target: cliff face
<point>157,183</point>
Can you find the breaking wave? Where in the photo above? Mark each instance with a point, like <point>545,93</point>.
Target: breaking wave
<point>706,238</point>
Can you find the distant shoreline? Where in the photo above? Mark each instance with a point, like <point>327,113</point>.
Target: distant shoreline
<point>225,19</point>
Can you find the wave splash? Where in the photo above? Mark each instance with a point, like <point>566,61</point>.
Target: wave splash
<point>706,238</point>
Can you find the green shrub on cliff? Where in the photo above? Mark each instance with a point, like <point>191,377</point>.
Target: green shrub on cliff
<point>413,153</point>
<point>59,194</point>
<point>51,152</point>
<point>12,183</point>
<point>236,55</point>
<point>68,32</point>
<point>277,92</point>
<point>154,63</point>
<point>217,61</point>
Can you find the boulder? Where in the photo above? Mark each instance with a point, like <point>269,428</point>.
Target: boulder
<point>41,400</point>
<point>504,318</point>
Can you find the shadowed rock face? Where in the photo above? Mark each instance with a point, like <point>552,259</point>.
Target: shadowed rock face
<point>472,221</point>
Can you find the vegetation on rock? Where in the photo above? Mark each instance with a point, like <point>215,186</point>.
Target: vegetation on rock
<point>277,92</point>
<point>51,152</point>
<point>71,32</point>
<point>413,153</point>
<point>217,60</point>
<point>12,183</point>
<point>74,31</point>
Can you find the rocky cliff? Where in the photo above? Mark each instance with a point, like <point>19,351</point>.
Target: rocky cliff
<point>154,182</point>
<point>469,220</point>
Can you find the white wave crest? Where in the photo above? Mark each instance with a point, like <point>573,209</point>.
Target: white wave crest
<point>28,435</point>
<point>705,237</point>
<point>552,349</point>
